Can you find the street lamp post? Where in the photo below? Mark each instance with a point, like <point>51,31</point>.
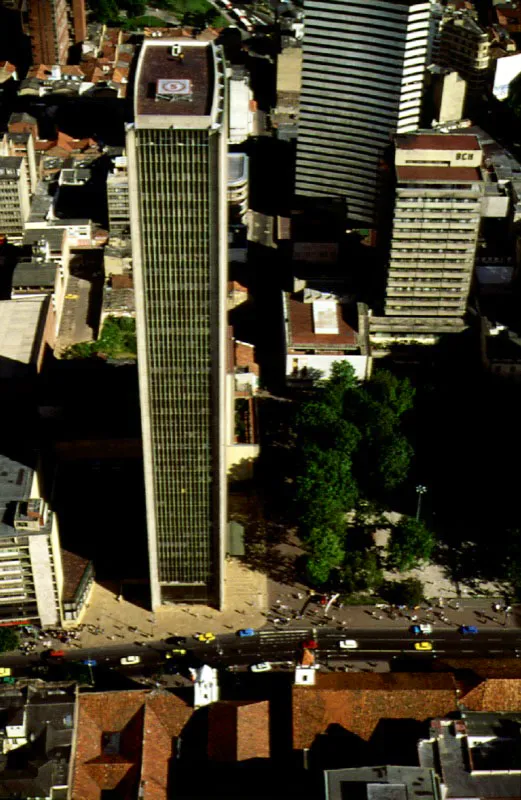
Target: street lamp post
<point>420,490</point>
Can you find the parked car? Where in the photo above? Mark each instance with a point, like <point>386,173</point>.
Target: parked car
<point>423,628</point>
<point>205,637</point>
<point>423,646</point>
<point>263,666</point>
<point>309,644</point>
<point>127,660</point>
<point>246,632</point>
<point>90,662</point>
<point>468,629</point>
<point>348,644</point>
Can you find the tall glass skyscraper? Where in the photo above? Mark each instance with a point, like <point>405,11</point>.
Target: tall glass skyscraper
<point>177,155</point>
<point>362,82</point>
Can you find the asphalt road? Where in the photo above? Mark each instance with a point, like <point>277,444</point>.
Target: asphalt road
<point>285,645</point>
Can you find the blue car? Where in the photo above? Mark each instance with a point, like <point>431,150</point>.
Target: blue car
<point>468,629</point>
<point>90,662</point>
<point>246,632</point>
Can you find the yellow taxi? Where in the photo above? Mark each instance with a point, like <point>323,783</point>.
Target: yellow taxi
<point>205,637</point>
<point>177,652</point>
<point>5,672</point>
<point>423,646</point>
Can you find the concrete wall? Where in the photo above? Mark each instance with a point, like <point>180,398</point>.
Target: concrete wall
<point>43,573</point>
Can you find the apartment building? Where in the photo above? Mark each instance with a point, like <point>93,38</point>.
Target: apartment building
<point>14,197</point>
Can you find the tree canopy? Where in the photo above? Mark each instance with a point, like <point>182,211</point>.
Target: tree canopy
<point>9,639</point>
<point>408,593</point>
<point>410,544</point>
<point>349,447</point>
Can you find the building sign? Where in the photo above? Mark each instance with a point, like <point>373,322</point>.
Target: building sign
<point>464,156</point>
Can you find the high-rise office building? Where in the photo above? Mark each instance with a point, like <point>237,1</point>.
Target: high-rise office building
<point>177,157</point>
<point>464,47</point>
<point>48,28</point>
<point>439,190</point>
<point>362,82</point>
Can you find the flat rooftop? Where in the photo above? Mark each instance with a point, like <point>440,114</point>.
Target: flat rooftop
<point>169,84</point>
<point>437,141</point>
<point>438,174</point>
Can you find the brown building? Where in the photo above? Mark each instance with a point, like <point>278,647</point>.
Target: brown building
<point>48,28</point>
<point>238,731</point>
<point>124,744</point>
<point>79,21</point>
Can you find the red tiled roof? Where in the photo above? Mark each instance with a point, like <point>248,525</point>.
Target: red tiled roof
<point>503,694</point>
<point>74,567</point>
<point>301,330</point>
<point>441,174</point>
<point>437,141</point>
<point>165,717</point>
<point>42,72</point>
<point>146,724</point>
<point>358,702</point>
<point>238,730</point>
<point>506,16</point>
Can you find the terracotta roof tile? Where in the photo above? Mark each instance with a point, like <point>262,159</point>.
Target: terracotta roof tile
<point>495,695</point>
<point>143,725</point>
<point>359,702</point>
<point>74,567</point>
<point>238,730</point>
<point>301,329</point>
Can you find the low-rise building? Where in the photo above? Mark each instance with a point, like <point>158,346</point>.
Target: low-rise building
<point>36,736</point>
<point>125,742</point>
<point>317,334</point>
<point>475,754</point>
<point>369,783</point>
<point>241,106</point>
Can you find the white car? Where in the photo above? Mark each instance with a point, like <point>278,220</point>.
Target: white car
<point>348,644</point>
<point>425,628</point>
<point>126,660</point>
<point>262,667</point>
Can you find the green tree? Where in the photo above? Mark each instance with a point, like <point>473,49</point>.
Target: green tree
<point>9,639</point>
<point>410,544</point>
<point>325,552</point>
<point>403,593</point>
<point>361,571</point>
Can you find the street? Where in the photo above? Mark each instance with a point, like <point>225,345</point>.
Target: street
<point>286,645</point>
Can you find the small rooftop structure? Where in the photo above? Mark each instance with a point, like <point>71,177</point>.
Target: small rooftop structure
<point>382,783</point>
<point>477,755</point>
<point>37,730</point>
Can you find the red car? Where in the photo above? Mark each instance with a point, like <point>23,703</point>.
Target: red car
<point>309,644</point>
<point>56,654</point>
